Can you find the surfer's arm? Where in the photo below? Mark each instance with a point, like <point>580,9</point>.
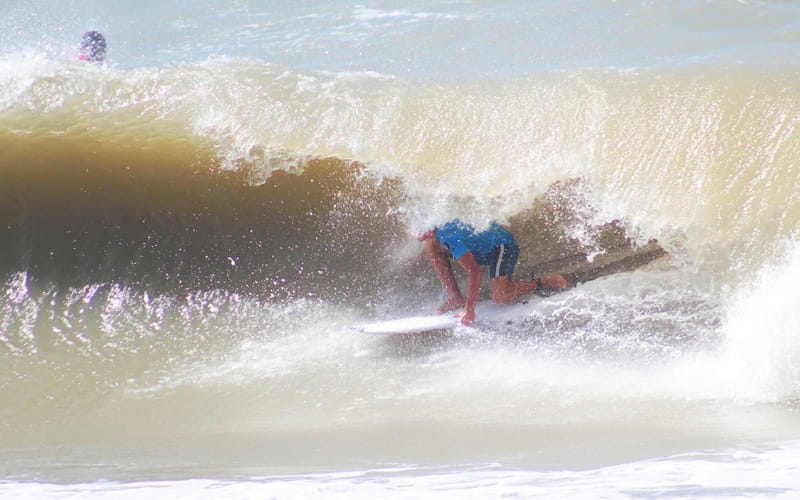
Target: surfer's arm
<point>474,276</point>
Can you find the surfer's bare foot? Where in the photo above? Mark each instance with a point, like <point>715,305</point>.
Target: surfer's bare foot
<point>554,282</point>
<point>550,285</point>
<point>451,304</point>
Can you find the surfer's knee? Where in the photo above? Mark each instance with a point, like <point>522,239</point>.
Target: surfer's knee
<point>502,290</point>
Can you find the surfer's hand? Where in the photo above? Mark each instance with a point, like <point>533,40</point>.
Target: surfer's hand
<point>467,318</point>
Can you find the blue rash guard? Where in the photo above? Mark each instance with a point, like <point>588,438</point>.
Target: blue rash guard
<point>495,247</point>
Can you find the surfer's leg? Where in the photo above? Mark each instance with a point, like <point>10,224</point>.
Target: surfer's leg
<point>505,290</point>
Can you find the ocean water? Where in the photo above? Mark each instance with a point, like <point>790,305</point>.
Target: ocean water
<point>189,230</point>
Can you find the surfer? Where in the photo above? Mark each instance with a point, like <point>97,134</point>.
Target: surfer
<point>496,248</point>
<point>93,47</point>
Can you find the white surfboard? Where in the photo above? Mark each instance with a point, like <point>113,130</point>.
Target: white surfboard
<point>485,312</point>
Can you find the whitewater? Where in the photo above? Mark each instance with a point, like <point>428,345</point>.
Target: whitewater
<point>190,229</point>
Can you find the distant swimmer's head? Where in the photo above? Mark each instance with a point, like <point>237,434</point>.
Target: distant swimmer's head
<point>93,47</point>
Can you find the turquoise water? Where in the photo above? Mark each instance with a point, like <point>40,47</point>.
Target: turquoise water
<point>438,40</point>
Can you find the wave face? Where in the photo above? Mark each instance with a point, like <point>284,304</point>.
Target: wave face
<point>186,238</point>
<point>704,156</point>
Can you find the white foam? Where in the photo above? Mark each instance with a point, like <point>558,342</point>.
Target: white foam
<point>761,357</point>
<point>739,473</point>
